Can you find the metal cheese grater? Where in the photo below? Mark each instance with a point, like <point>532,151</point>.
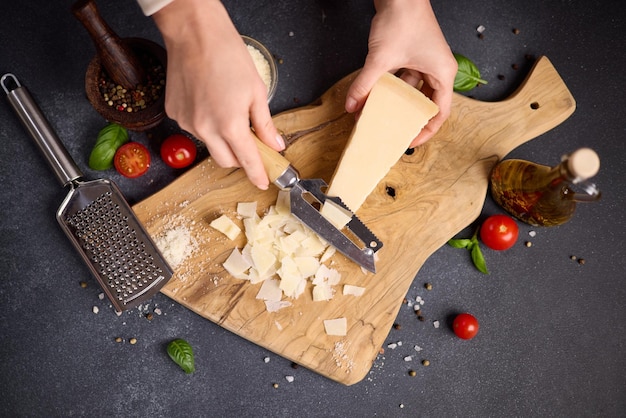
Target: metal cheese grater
<point>95,216</point>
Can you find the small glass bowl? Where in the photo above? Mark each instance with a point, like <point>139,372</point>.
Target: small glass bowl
<point>271,89</point>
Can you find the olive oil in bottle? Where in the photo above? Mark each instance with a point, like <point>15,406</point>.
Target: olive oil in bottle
<point>544,196</point>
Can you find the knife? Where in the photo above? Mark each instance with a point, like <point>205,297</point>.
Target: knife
<point>359,244</point>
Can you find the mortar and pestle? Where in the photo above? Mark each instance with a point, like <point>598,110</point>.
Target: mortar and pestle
<point>125,81</point>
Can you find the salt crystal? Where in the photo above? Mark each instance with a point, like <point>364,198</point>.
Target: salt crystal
<point>95,309</point>
<point>392,345</point>
<point>101,296</point>
<point>408,358</point>
<point>289,378</point>
<point>157,311</point>
<point>436,324</point>
<point>532,233</point>
<point>266,360</point>
<point>399,343</point>
<point>417,348</point>
<point>480,29</point>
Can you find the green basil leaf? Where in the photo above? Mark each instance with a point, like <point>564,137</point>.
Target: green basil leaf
<point>181,352</point>
<point>478,259</point>
<point>460,243</point>
<point>110,138</point>
<point>467,76</point>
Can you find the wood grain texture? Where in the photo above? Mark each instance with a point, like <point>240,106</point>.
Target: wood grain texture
<point>440,189</point>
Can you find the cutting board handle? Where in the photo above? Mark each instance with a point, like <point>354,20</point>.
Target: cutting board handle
<point>539,104</point>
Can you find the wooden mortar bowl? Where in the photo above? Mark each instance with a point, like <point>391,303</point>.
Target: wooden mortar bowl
<point>140,120</point>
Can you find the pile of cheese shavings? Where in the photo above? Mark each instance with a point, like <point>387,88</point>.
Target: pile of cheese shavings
<point>281,253</point>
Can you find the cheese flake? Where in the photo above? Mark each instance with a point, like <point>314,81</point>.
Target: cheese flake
<point>336,327</point>
<point>226,226</point>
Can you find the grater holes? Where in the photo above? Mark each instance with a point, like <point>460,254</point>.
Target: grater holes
<point>114,248</point>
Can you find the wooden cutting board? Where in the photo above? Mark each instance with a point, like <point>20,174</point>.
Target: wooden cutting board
<point>439,190</point>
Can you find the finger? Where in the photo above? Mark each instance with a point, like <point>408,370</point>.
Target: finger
<point>361,86</point>
<point>443,99</point>
<point>247,153</point>
<point>263,125</point>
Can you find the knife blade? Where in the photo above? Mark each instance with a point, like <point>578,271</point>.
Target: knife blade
<point>355,241</point>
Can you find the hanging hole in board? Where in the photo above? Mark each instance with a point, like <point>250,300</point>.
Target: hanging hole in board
<point>534,105</point>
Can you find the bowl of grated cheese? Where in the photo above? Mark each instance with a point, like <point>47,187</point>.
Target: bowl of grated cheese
<point>264,63</point>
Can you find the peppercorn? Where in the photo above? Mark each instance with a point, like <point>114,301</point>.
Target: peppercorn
<point>396,326</point>
<point>421,318</point>
<point>428,286</point>
<point>133,341</point>
<point>83,284</point>
<point>294,365</point>
<point>572,257</point>
<point>581,261</point>
<point>275,385</point>
<point>118,339</point>
<point>516,31</point>
<point>500,76</point>
<point>514,66</point>
<point>425,363</point>
<point>412,373</point>
<point>528,244</point>
<point>149,316</point>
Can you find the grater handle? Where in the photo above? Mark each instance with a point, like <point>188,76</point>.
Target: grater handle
<point>40,130</point>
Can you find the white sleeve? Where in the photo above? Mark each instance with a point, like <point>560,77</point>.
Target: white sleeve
<point>150,7</point>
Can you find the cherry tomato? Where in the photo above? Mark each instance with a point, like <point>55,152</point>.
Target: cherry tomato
<point>178,151</point>
<point>465,326</point>
<point>499,232</point>
<point>132,159</point>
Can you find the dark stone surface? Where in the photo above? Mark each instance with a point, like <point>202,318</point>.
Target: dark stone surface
<point>552,331</point>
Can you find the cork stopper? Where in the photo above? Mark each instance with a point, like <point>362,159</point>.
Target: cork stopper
<point>583,164</point>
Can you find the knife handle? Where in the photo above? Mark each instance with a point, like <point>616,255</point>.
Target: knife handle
<point>279,169</point>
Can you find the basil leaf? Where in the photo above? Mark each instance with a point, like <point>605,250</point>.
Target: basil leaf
<point>181,352</point>
<point>478,259</point>
<point>110,138</point>
<point>467,75</point>
<point>460,243</point>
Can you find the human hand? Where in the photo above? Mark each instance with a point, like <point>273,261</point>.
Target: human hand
<point>213,89</point>
<point>405,36</point>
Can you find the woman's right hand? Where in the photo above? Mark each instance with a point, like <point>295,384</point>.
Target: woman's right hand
<point>213,89</point>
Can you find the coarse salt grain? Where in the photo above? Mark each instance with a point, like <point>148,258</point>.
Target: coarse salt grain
<point>289,378</point>
<point>266,360</point>
<point>417,348</point>
<point>436,324</point>
<point>95,309</point>
<point>532,233</point>
<point>408,358</point>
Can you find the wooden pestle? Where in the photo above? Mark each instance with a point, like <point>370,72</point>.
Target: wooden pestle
<point>117,58</point>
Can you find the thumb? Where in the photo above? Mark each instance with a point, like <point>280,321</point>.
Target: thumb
<point>361,87</point>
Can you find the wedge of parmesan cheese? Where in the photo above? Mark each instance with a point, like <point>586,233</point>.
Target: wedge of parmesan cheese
<point>392,117</point>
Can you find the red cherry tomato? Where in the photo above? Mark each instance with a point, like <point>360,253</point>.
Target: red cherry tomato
<point>465,326</point>
<point>178,151</point>
<point>499,232</point>
<point>132,159</point>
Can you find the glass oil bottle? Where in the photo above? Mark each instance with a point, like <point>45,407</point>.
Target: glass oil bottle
<point>541,195</point>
